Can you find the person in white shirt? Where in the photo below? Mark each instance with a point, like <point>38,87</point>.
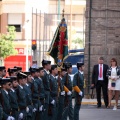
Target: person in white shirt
<point>113,74</point>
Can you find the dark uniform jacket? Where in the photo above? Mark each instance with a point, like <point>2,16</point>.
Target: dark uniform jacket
<point>5,102</point>
<point>14,103</point>
<point>46,83</point>
<point>1,112</point>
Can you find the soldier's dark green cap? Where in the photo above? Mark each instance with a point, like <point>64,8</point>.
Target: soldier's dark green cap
<point>40,68</point>
<point>67,65</point>
<point>12,70</point>
<point>2,68</point>
<point>5,80</point>
<point>37,69</point>
<point>27,73</point>
<point>63,69</point>
<point>18,67</point>
<point>53,67</point>
<point>32,70</point>
<point>45,62</point>
<point>21,75</point>
<point>80,64</point>
<point>13,78</point>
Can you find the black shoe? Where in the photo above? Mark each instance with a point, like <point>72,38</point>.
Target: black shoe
<point>98,106</point>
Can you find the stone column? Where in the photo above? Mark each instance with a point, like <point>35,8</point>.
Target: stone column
<point>105,32</point>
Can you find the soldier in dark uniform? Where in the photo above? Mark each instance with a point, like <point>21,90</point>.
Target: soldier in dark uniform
<point>1,112</point>
<point>53,92</point>
<point>12,71</point>
<point>68,111</point>
<point>19,69</point>
<point>13,97</point>
<point>78,84</point>
<point>35,92</point>
<point>5,100</point>
<point>41,93</point>
<point>61,94</point>
<point>21,95</point>
<point>46,82</point>
<point>29,78</point>
<point>28,97</point>
<point>1,109</point>
<point>2,71</point>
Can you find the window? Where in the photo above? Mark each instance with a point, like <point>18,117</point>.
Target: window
<point>18,27</point>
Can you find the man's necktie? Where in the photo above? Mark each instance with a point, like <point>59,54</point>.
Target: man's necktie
<point>100,71</point>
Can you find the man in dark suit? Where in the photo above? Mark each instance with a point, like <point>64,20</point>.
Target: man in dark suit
<point>99,80</point>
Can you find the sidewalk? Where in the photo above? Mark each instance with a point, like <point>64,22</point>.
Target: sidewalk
<point>94,101</point>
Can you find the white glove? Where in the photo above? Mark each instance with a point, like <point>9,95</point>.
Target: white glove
<point>34,110</point>
<point>9,118</point>
<point>27,109</point>
<point>80,93</point>
<point>21,116</point>
<point>12,118</point>
<point>41,108</point>
<point>63,93</point>
<point>69,93</point>
<point>53,102</point>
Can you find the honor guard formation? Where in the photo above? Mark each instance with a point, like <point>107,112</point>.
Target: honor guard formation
<point>43,93</point>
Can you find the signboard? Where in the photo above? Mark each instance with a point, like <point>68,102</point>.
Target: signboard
<point>20,51</point>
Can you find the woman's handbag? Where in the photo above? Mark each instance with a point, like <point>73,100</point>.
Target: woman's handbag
<point>113,84</point>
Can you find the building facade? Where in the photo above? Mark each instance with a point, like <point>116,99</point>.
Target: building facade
<point>38,20</point>
<point>102,36</point>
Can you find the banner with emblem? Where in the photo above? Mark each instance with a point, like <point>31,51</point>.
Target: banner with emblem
<point>59,45</point>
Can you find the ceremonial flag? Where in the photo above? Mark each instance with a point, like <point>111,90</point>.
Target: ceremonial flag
<point>59,45</point>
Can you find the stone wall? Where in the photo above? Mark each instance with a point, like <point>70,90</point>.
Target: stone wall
<point>105,32</point>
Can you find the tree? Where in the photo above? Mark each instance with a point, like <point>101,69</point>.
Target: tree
<point>78,42</point>
<point>6,43</point>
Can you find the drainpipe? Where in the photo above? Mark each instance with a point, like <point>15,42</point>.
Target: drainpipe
<point>89,46</point>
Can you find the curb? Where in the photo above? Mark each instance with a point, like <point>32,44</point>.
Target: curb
<point>89,102</point>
